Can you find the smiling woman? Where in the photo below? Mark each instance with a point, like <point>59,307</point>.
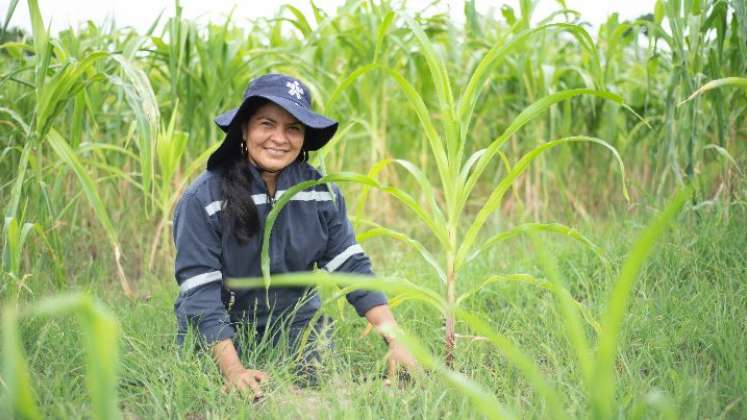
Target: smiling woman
<point>218,235</point>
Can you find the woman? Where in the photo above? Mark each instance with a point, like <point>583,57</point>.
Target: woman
<point>218,225</point>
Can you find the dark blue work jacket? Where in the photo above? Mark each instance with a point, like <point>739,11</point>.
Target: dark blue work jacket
<point>312,230</point>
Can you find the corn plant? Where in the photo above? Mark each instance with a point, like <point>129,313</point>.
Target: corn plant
<point>51,95</point>
<point>457,173</point>
<point>100,336</point>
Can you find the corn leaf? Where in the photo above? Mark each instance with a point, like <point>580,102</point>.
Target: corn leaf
<point>602,388</point>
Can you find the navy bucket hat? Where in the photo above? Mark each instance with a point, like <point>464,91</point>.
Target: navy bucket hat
<point>287,92</point>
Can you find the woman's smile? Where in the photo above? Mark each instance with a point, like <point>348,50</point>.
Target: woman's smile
<point>276,151</point>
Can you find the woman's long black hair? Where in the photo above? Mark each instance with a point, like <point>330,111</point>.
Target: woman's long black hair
<point>239,214</point>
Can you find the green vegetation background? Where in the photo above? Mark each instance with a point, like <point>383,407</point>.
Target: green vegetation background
<point>105,126</point>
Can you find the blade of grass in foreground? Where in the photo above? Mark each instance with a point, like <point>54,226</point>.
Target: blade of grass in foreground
<point>20,395</point>
<point>602,390</point>
<point>322,278</point>
<point>100,335</point>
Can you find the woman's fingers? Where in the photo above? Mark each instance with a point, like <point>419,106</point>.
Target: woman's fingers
<point>247,382</point>
<point>260,376</point>
<point>400,359</point>
<point>408,361</point>
<point>391,369</point>
<point>256,389</point>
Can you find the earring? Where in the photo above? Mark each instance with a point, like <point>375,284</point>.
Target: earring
<point>243,148</point>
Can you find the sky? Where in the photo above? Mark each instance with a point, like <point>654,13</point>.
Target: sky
<point>141,13</point>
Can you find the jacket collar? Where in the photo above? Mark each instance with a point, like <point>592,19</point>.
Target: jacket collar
<point>284,179</point>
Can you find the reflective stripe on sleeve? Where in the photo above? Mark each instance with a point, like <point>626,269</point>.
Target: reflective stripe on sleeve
<point>340,258</point>
<point>214,207</point>
<point>199,280</point>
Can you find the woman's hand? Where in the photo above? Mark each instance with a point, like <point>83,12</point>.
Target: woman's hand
<point>235,376</point>
<point>398,356</point>
<point>245,381</point>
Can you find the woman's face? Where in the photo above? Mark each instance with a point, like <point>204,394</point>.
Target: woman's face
<point>273,137</point>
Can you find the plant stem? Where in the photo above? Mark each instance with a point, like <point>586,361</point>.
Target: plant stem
<point>450,315</point>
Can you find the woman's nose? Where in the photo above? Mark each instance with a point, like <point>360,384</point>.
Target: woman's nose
<point>278,135</point>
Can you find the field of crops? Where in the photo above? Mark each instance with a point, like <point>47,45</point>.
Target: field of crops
<point>558,214</point>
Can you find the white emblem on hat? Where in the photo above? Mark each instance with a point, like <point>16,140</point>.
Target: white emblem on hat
<point>294,89</point>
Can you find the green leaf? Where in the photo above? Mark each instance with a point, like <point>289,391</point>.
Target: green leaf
<point>15,194</point>
<point>659,12</point>
<point>68,157</point>
<point>527,115</point>
<point>390,233</point>
<point>540,227</point>
<point>498,52</point>
<point>8,15</point>
<point>322,278</point>
<point>495,278</point>
<point>438,72</point>
<point>16,370</point>
<point>603,380</point>
<point>170,147</point>
<point>381,33</point>
<point>60,89</point>
<point>300,21</point>
<point>142,101</point>
<point>715,84</point>
<point>496,196</point>
<point>402,196</point>
<point>416,101</point>
<point>38,31</point>
<point>567,306</point>
<point>100,336</point>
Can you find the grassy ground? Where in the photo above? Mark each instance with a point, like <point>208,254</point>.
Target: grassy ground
<point>682,352</point>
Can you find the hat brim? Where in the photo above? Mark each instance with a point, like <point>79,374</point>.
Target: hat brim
<point>319,129</point>
<point>322,128</point>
